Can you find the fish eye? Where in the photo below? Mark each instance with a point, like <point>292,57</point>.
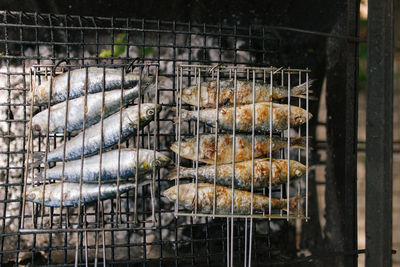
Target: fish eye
<point>37,127</point>
<point>299,118</point>
<point>150,112</point>
<point>157,163</point>
<point>186,150</point>
<point>32,196</point>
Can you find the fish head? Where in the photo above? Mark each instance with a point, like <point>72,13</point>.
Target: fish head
<point>35,194</point>
<point>187,194</point>
<point>297,169</point>
<point>161,160</point>
<point>147,112</point>
<point>187,149</point>
<point>189,95</point>
<point>170,193</point>
<point>298,116</point>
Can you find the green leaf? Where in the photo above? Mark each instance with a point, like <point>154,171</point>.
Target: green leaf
<point>118,47</point>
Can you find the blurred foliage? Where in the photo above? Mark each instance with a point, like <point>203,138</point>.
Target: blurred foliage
<point>119,48</point>
<point>1,54</point>
<point>146,51</point>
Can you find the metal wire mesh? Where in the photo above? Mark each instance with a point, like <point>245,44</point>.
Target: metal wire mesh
<point>197,74</point>
<point>43,39</point>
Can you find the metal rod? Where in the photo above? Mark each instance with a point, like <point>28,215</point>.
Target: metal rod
<point>233,157</point>
<point>85,108</point>
<point>135,216</point>
<point>197,139</point>
<point>180,85</point>
<point>29,151</point>
<point>307,143</point>
<point>216,143</point>
<point>245,243</point>
<point>288,153</point>
<point>65,142</point>
<point>155,146</point>
<point>241,216</point>
<point>99,206</point>
<point>118,201</point>
<point>379,156</point>
<point>271,111</point>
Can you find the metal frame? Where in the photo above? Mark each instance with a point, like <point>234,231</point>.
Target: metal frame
<point>379,145</point>
<point>204,72</point>
<point>213,73</point>
<point>72,36</point>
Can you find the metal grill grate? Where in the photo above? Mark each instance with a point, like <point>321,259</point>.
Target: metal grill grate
<point>36,40</point>
<point>268,77</point>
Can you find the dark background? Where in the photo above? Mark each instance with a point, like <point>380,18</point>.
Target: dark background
<point>309,14</point>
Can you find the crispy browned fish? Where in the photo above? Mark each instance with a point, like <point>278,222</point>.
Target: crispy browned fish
<point>224,152</point>
<point>244,94</point>
<point>243,173</point>
<point>242,199</point>
<point>244,115</point>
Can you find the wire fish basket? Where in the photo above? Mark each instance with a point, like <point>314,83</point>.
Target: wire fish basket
<point>221,96</point>
<point>123,209</point>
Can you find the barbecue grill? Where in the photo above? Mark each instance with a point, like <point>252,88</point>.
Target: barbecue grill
<point>140,227</point>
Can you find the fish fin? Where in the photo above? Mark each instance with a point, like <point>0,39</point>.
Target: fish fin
<point>144,183</point>
<point>295,205</point>
<point>299,142</point>
<point>39,176</point>
<point>173,173</point>
<point>226,101</point>
<point>38,158</point>
<point>313,98</point>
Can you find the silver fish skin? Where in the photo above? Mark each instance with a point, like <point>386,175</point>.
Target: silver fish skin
<point>76,111</point>
<point>224,152</point>
<point>91,166</point>
<point>71,192</point>
<point>243,173</point>
<point>59,89</point>
<point>244,113</point>
<point>244,94</point>
<point>242,199</point>
<point>111,130</point>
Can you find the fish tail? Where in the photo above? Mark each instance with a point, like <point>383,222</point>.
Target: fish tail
<point>38,158</point>
<point>176,119</point>
<point>301,89</point>
<point>298,142</point>
<point>173,173</point>
<point>185,115</point>
<point>295,205</point>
